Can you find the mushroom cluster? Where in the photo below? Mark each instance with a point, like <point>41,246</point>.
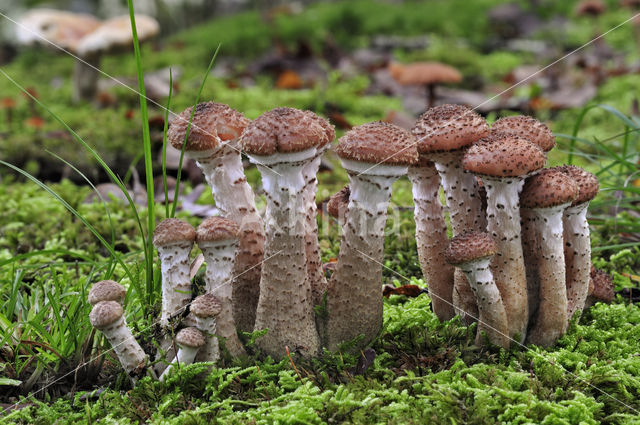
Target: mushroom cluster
<point>518,261</point>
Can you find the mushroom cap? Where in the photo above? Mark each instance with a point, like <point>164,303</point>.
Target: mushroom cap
<point>65,29</point>
<point>470,246</point>
<point>378,142</point>
<point>283,130</point>
<point>448,127</point>
<point>527,128</point>
<point>190,337</point>
<point>338,202</point>
<point>217,229</point>
<point>548,188</point>
<point>590,8</point>
<point>116,33</point>
<point>206,305</point>
<point>106,290</point>
<point>503,157</point>
<point>601,285</point>
<point>587,183</point>
<point>173,230</point>
<point>329,130</point>
<point>212,122</point>
<point>424,73</point>
<point>105,313</point>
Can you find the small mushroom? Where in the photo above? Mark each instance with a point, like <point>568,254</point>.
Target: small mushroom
<point>427,74</point>
<point>217,237</point>
<point>189,341</point>
<point>106,290</point>
<point>472,253</point>
<point>205,309</point>
<point>337,205</point>
<point>173,238</point>
<point>600,288</point>
<point>108,317</point>
<point>374,155</point>
<point>503,163</point>
<point>543,200</point>
<point>525,127</point>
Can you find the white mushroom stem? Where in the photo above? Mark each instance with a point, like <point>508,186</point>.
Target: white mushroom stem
<point>354,304</point>
<point>176,282</point>
<point>431,238</point>
<point>234,197</point>
<point>503,223</point>
<point>186,355</point>
<point>318,281</point>
<point>130,354</point>
<point>464,301</point>
<point>551,319</point>
<point>493,317</point>
<point>219,256</point>
<point>210,352</point>
<point>577,255</point>
<point>530,242</point>
<point>285,306</point>
<point>85,77</point>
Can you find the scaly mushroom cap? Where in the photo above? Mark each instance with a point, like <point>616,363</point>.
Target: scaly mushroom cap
<point>172,230</point>
<point>212,122</point>
<point>217,229</point>
<point>504,157</point>
<point>330,131</point>
<point>470,246</point>
<point>601,286</point>
<point>116,33</point>
<point>206,305</point>
<point>190,337</point>
<point>338,202</point>
<point>105,313</point>
<point>548,188</point>
<point>448,127</point>
<point>378,142</point>
<point>424,73</point>
<point>526,128</point>
<point>587,183</point>
<point>106,290</point>
<point>284,130</point>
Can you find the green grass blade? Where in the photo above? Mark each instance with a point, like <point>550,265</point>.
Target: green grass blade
<point>164,146</point>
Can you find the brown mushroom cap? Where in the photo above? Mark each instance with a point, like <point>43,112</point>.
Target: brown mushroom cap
<point>284,130</point>
<point>106,290</point>
<point>105,313</point>
<point>550,187</point>
<point>212,122</point>
<point>378,142</point>
<point>504,157</point>
<point>190,337</point>
<point>65,29</point>
<point>330,131</point>
<point>448,127</point>
<point>206,305</point>
<point>601,285</point>
<point>217,229</point>
<point>527,128</point>
<point>424,73</point>
<point>470,246</point>
<point>587,183</point>
<point>338,202</point>
<point>590,8</point>
<point>173,230</point>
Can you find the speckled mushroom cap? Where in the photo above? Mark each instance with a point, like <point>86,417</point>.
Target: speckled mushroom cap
<point>105,313</point>
<point>172,230</point>
<point>212,122</point>
<point>448,127</point>
<point>329,130</point>
<point>470,246</point>
<point>503,157</point>
<point>587,183</point>
<point>549,187</point>
<point>338,202</point>
<point>378,142</point>
<point>206,305</point>
<point>283,130</point>
<point>190,337</point>
<point>601,285</point>
<point>217,229</point>
<point>106,290</point>
<point>527,128</point>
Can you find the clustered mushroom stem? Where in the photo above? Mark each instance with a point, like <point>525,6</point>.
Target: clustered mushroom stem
<point>551,319</point>
<point>431,238</point>
<point>234,197</point>
<point>577,254</point>
<point>176,282</point>
<point>503,223</point>
<point>530,243</point>
<point>285,306</point>
<point>353,313</point>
